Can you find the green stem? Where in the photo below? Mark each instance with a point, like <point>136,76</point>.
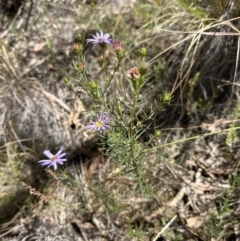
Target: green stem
<point>192,138</point>
<point>109,81</point>
<point>131,134</point>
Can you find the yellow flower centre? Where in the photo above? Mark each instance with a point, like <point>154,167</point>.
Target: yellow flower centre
<point>98,124</point>
<point>52,158</point>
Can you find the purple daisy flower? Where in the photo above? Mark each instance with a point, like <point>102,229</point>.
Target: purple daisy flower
<point>100,38</point>
<point>53,159</point>
<point>101,124</point>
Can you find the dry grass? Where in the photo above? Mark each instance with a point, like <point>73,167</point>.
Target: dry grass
<point>189,175</point>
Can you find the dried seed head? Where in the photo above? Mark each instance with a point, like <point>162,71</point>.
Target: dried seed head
<point>133,73</point>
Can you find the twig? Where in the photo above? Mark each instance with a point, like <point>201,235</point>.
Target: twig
<point>16,136</point>
<point>236,66</point>
<point>29,15</point>
<point>165,228</point>
<point>4,33</point>
<point>11,230</point>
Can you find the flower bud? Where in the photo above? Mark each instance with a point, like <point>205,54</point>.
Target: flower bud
<point>167,97</point>
<point>118,49</point>
<point>79,38</point>
<point>143,68</point>
<point>142,52</point>
<point>94,88</point>
<point>79,66</point>
<point>133,73</point>
<point>67,83</point>
<point>158,133</point>
<point>76,49</point>
<point>136,78</point>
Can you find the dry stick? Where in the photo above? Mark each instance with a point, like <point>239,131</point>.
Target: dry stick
<point>5,32</point>
<point>172,46</point>
<point>14,142</point>
<point>165,228</point>
<point>15,135</point>
<point>11,230</point>
<point>7,63</point>
<point>236,66</point>
<point>29,15</point>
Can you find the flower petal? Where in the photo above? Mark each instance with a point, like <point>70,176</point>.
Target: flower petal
<point>54,164</point>
<point>98,36</point>
<point>106,36</point>
<point>60,161</point>
<point>92,41</point>
<point>45,162</point>
<point>91,126</point>
<point>61,155</point>
<point>59,152</point>
<point>48,154</point>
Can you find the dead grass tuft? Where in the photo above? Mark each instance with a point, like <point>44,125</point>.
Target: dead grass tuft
<point>189,174</point>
